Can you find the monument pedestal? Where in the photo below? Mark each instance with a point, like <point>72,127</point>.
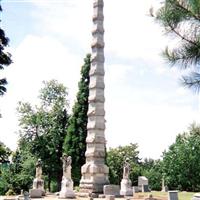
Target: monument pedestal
<point>94,177</point>
<point>38,188</point>
<point>66,189</point>
<point>126,187</point>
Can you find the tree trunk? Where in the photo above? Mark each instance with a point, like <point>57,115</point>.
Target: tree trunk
<point>49,182</point>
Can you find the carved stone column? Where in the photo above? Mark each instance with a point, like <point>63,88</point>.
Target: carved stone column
<point>94,171</point>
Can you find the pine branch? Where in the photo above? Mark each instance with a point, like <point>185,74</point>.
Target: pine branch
<point>192,81</point>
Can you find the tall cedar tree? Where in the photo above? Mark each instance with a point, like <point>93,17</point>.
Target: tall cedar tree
<point>181,18</point>
<point>5,58</point>
<point>75,141</point>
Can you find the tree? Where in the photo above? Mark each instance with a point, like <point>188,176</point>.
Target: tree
<point>4,153</point>
<point>5,58</point>
<point>75,141</point>
<point>152,169</point>
<point>43,129</point>
<point>182,20</point>
<point>115,161</point>
<point>181,164</point>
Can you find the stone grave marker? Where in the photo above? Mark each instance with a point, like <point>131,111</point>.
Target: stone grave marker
<point>143,184</point>
<point>111,190</point>
<point>173,195</point>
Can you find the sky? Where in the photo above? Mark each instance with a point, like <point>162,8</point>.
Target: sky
<point>145,102</point>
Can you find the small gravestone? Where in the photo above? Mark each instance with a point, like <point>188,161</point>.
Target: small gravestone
<point>111,190</point>
<point>143,184</point>
<point>26,195</point>
<point>35,193</point>
<point>135,189</point>
<point>196,196</point>
<point>172,195</point>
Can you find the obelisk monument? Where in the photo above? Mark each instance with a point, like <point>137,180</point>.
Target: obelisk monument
<point>94,171</point>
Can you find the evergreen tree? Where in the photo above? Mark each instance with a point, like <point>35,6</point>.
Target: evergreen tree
<point>182,20</point>
<point>181,164</point>
<point>5,58</point>
<point>75,141</point>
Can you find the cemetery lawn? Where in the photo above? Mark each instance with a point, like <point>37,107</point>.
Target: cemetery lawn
<point>181,195</point>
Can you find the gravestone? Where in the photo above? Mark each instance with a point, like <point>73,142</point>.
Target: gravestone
<point>26,195</point>
<point>172,195</point>
<point>67,183</point>
<point>135,189</point>
<point>143,184</point>
<point>126,185</point>
<point>38,182</point>
<point>111,190</point>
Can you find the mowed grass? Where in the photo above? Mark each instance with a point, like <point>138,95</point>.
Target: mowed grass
<point>164,195</point>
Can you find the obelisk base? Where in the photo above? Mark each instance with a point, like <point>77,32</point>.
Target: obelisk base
<point>94,177</point>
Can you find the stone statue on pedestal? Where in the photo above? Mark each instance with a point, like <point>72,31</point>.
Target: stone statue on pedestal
<point>126,169</point>
<point>67,183</point>
<point>38,165</point>
<point>38,182</point>
<point>126,185</point>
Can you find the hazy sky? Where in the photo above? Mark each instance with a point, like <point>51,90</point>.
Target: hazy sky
<point>49,39</point>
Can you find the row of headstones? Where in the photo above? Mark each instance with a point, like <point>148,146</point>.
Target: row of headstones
<point>172,195</point>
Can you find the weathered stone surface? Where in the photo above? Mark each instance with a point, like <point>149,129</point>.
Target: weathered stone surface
<point>126,187</point>
<point>97,82</point>
<point>143,184</point>
<point>67,193</point>
<point>96,95</point>
<point>172,195</point>
<point>96,122</point>
<point>97,140</point>
<point>110,197</point>
<point>97,69</point>
<point>67,182</point>
<point>145,188</point>
<point>97,57</point>
<point>111,190</point>
<point>96,109</point>
<point>98,3</point>
<point>26,196</point>
<point>94,171</point>
<point>135,189</point>
<point>142,180</point>
<point>35,193</point>
<point>97,28</point>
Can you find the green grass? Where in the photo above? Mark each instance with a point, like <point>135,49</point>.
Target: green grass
<point>181,195</point>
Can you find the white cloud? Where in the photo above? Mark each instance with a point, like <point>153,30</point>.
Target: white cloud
<point>35,60</point>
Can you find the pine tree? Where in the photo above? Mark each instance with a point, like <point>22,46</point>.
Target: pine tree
<point>5,58</point>
<point>181,18</point>
<point>75,141</point>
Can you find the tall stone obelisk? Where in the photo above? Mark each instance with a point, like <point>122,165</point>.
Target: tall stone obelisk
<point>94,171</point>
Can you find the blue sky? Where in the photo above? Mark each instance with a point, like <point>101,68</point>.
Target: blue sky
<point>145,102</point>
